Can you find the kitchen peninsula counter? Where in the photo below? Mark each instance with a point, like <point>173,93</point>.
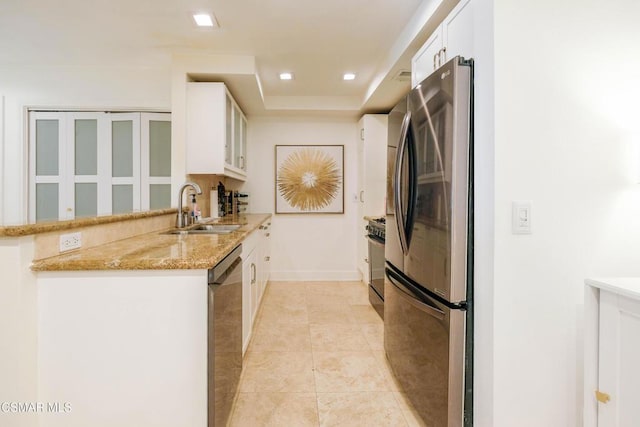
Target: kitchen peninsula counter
<point>157,251</point>
<point>52,226</point>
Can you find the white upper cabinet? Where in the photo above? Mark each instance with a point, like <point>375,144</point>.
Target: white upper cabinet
<point>454,36</point>
<point>426,59</point>
<point>216,132</point>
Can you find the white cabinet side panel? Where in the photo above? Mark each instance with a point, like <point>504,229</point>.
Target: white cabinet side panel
<point>124,348</point>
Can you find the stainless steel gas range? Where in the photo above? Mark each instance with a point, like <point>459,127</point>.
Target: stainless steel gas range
<point>376,238</point>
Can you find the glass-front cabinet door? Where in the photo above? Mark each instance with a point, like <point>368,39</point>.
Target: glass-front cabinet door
<point>243,142</point>
<point>228,140</point>
<point>238,155</point>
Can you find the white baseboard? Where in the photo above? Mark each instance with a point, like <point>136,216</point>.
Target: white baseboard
<point>314,276</point>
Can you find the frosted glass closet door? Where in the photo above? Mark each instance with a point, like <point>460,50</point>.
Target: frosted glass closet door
<point>156,160</point>
<point>47,198</point>
<point>84,156</point>
<point>125,162</point>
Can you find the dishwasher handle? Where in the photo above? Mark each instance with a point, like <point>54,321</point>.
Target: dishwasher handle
<point>219,273</point>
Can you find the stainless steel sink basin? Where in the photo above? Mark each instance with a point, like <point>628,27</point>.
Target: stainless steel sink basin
<point>206,229</point>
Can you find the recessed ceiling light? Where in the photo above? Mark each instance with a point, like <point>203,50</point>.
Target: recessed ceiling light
<point>205,20</point>
<point>349,76</point>
<point>286,76</point>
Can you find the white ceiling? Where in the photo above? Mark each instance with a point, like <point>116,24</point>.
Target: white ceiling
<point>316,40</point>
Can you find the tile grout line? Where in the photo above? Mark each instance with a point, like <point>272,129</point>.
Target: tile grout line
<point>313,360</point>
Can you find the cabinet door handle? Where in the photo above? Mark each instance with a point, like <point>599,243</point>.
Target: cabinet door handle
<point>602,397</point>
<point>253,273</point>
<point>443,52</point>
<point>362,196</point>
<point>241,162</point>
<point>435,56</point>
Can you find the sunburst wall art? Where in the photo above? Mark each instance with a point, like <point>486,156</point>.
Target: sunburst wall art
<point>309,179</point>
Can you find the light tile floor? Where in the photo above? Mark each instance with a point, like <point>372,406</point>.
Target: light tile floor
<point>316,358</point>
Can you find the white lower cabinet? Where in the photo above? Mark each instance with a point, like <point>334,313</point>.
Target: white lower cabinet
<point>619,353</point>
<point>265,256</point>
<point>255,275</point>
<point>248,295</point>
<point>612,351</point>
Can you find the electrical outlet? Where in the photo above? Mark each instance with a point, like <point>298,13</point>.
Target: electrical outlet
<point>70,241</point>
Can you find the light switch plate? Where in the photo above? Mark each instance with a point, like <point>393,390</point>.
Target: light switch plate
<point>521,217</point>
<point>70,241</point>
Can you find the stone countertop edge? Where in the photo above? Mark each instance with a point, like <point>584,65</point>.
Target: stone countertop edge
<point>157,251</point>
<point>50,226</point>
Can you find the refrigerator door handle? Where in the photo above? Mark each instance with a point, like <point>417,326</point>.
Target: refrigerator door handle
<point>408,296</point>
<point>400,217</point>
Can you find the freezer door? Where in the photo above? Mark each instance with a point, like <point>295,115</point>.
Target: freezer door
<point>440,116</point>
<point>424,344</point>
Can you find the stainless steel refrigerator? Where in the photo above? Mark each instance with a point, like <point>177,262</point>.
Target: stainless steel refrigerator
<point>428,316</point>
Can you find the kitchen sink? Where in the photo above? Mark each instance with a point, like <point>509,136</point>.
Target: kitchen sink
<point>205,229</point>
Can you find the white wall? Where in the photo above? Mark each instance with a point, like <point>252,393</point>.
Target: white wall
<point>90,86</point>
<point>18,329</point>
<point>567,83</point>
<point>305,246</point>
<point>483,53</point>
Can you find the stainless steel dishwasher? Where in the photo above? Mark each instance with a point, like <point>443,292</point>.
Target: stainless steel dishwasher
<point>224,330</point>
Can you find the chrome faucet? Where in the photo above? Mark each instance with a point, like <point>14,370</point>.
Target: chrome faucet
<point>181,220</point>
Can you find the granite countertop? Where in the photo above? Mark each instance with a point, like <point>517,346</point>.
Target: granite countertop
<point>157,251</point>
<point>49,226</point>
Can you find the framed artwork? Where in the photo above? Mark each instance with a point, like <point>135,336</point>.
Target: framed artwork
<point>309,179</point>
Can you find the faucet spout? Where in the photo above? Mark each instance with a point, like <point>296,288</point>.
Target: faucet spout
<point>180,220</point>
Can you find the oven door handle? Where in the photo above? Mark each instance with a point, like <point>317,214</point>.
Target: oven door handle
<point>411,298</point>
